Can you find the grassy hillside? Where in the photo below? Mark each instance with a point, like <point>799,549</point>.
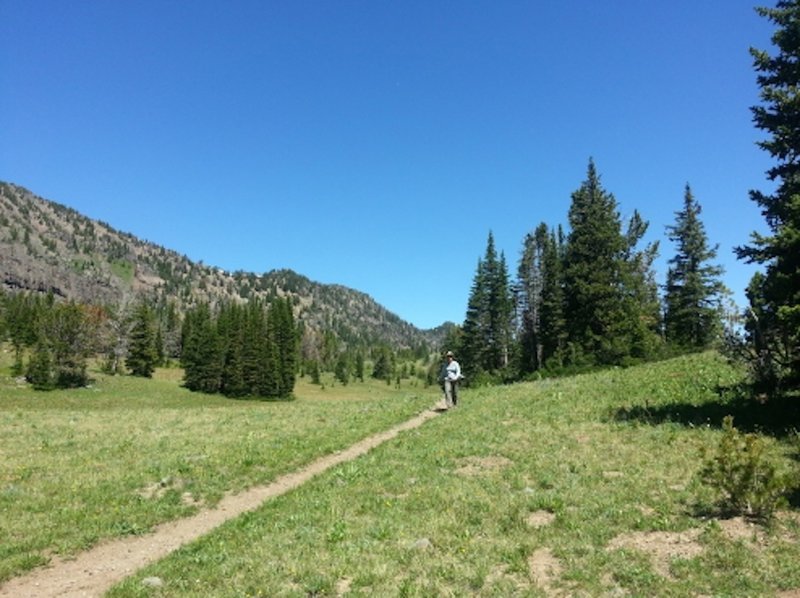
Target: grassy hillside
<point>578,486</point>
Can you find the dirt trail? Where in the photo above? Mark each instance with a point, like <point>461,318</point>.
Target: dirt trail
<point>93,572</point>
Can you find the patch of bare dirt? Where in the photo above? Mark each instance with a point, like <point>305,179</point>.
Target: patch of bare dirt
<point>472,466</point>
<point>739,528</point>
<point>93,572</point>
<point>539,519</point>
<point>545,570</point>
<point>661,547</point>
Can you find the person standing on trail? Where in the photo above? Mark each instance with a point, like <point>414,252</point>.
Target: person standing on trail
<point>450,376</point>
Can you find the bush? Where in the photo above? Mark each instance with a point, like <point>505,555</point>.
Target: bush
<point>744,476</point>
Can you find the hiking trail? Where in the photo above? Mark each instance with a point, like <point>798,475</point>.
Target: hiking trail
<point>93,572</point>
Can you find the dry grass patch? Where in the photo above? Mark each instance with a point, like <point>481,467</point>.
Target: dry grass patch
<point>472,466</point>
<point>661,547</point>
<point>540,518</point>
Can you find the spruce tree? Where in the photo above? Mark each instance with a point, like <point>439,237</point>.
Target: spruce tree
<point>777,360</point>
<point>283,335</point>
<point>231,332</point>
<point>643,323</point>
<point>552,325</point>
<point>692,299</point>
<point>611,306</point>
<point>592,274</point>
<point>528,294</point>
<point>201,353</point>
<point>142,351</point>
<point>384,364</point>
<point>487,330</point>
<point>342,369</point>
<point>66,332</point>
<point>40,367</point>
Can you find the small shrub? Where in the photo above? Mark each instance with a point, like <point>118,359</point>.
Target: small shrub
<point>741,472</point>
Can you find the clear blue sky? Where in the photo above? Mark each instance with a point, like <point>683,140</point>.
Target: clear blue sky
<point>375,144</point>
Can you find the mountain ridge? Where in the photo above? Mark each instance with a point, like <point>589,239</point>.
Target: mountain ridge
<point>48,247</point>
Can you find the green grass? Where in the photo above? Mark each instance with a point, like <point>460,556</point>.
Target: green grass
<point>126,454</point>
<point>444,510</point>
<point>123,270</point>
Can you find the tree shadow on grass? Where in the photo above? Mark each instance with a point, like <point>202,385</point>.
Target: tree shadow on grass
<point>778,417</point>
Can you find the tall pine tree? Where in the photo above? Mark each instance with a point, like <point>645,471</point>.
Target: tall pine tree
<point>487,332</point>
<point>610,307</point>
<point>142,350</point>
<point>552,325</point>
<point>693,292</point>
<point>776,295</point>
<point>528,296</point>
<point>592,274</point>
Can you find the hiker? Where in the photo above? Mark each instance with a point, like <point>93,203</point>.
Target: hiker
<point>450,376</point>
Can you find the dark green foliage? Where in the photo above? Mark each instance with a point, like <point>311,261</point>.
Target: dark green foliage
<point>65,337</point>
<point>40,368</point>
<point>775,314</point>
<point>23,313</point>
<point>143,354</point>
<point>358,366</point>
<point>552,322</point>
<point>692,317</point>
<point>246,350</point>
<point>342,369</point>
<point>201,355</point>
<point>486,337</point>
<point>591,274</point>
<point>743,475</point>
<point>610,301</point>
<point>540,301</point>
<point>384,364</point>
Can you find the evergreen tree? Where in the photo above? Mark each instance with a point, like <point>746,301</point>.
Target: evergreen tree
<point>487,331</point>
<point>640,292</point>
<point>66,331</point>
<point>284,333</point>
<point>528,298</point>
<point>23,315</point>
<point>384,364</point>
<point>692,317</point>
<point>201,353</point>
<point>359,366</point>
<point>142,350</point>
<point>592,274</point>
<point>552,325</point>
<point>611,306</point>
<point>342,369</point>
<point>777,298</point>
<point>40,367</point>
<point>472,347</point>
<point>231,330</point>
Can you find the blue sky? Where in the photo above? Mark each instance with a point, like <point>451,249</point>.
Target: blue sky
<point>375,144</point>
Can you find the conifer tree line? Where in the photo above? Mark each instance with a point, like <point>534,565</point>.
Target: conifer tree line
<point>53,340</point>
<point>589,297</point>
<point>241,349</point>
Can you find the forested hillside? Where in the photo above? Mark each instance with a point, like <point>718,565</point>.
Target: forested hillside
<point>46,247</point>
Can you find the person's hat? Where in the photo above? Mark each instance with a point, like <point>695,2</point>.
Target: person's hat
<point>449,354</point>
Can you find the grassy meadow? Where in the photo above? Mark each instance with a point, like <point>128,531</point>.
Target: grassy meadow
<point>582,486</point>
<point>125,454</point>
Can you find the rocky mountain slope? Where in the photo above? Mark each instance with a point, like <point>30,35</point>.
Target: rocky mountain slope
<point>47,247</point>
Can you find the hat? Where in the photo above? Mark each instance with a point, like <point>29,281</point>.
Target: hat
<point>449,354</point>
